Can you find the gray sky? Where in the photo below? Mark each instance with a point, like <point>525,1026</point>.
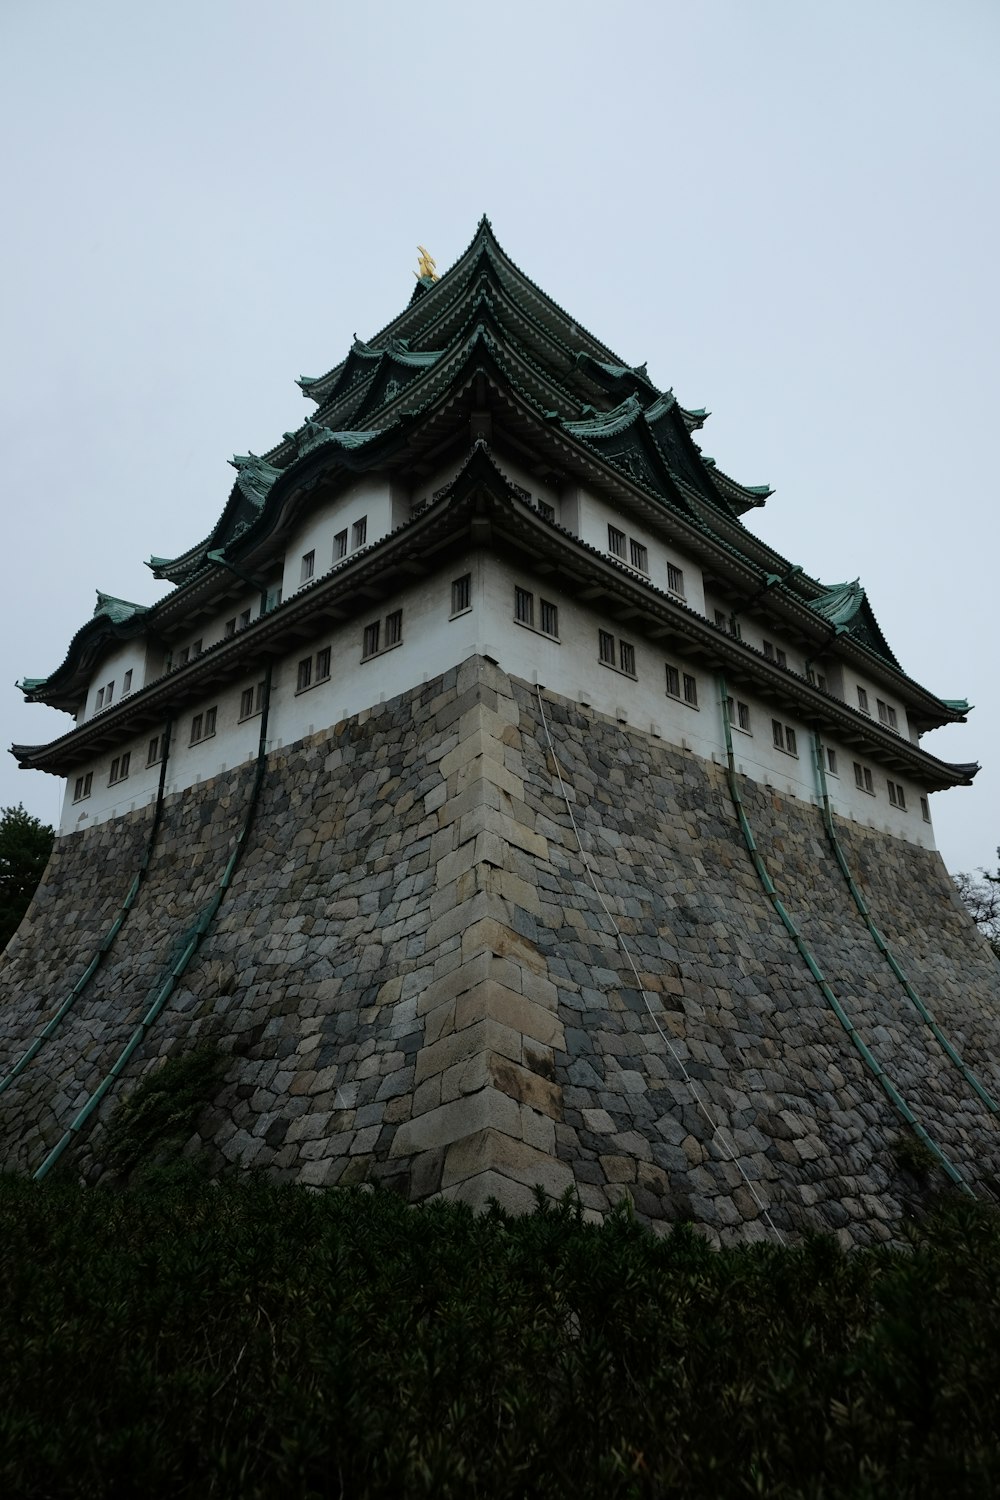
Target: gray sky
<point>788,209</point>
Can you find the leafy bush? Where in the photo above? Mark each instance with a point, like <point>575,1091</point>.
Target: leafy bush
<point>249,1340</point>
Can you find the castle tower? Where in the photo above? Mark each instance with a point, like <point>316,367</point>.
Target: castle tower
<point>511,813</point>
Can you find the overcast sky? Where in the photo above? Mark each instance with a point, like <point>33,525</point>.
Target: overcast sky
<point>789,209</point>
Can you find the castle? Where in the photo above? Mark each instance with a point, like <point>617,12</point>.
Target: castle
<point>511,813</point>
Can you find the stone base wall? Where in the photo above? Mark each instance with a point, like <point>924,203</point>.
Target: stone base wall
<point>419,985</point>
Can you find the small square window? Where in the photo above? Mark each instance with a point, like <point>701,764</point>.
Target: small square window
<point>862,700</point>
<point>340,545</point>
<point>606,647</point>
<point>394,628</point>
<point>303,678</point>
<point>546,510</point>
<point>127,682</point>
<point>524,606</point>
<point>549,617</point>
<point>371,639</point>
<point>359,532</point>
<point>616,542</point>
<point>673,681</point>
<point>639,556</point>
<point>675,579</point>
<point>323,664</point>
<point>461,594</point>
<point>308,566</point>
<point>626,657</point>
<point>690,690</point>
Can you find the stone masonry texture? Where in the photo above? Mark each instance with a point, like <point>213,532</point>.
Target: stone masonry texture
<point>417,983</point>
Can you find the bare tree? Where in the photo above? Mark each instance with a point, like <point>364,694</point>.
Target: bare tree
<point>981,894</point>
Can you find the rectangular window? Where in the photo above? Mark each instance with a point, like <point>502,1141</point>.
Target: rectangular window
<point>616,542</point>
<point>774,653</point>
<point>791,741</point>
<point>308,566</point>
<point>273,598</point>
<point>896,795</point>
<point>524,606</point>
<point>739,715</point>
<point>340,545</point>
<point>393,628</point>
<point>606,647</point>
<point>155,751</point>
<point>304,676</point>
<point>119,768</point>
<point>230,628</point>
<point>777,734</point>
<point>626,658</point>
<point>127,682</point>
<point>722,619</point>
<point>863,779</point>
<point>675,580</point>
<point>100,699</point>
<point>820,682</point>
<point>323,664</point>
<point>251,701</point>
<point>359,532</point>
<point>461,594</point>
<point>371,640</point>
<point>82,787</point>
<point>831,761</point>
<point>546,510</point>
<point>196,649</point>
<point>109,692</point>
<point>925,809</point>
<point>886,713</point>
<point>639,556</point>
<point>862,700</point>
<point>203,725</point>
<point>690,690</point>
<point>676,680</point>
<point>244,620</point>
<point>184,657</point>
<point>673,681</point>
<point>549,617</point>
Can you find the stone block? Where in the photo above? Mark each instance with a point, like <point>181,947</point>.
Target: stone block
<point>492,1150</point>
<point>487,1109</point>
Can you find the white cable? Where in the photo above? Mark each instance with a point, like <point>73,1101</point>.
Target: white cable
<point>715,1127</point>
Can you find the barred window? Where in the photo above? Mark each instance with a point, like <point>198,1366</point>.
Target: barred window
<point>323,664</point>
<point>546,510</point>
<point>251,701</point>
<point>626,657</point>
<point>461,594</point>
<point>119,768</point>
<point>359,532</point>
<point>863,779</point>
<point>156,748</point>
<point>308,566</point>
<point>394,628</point>
<point>896,795</point>
<point>673,681</point>
<point>606,647</point>
<point>340,545</point>
<point>862,699</point>
<point>82,787</point>
<point>690,690</point>
<point>304,675</point>
<point>616,542</point>
<point>549,620</point>
<point>639,556</point>
<point>831,761</point>
<point>675,579</point>
<point>372,632</point>
<point>524,606</point>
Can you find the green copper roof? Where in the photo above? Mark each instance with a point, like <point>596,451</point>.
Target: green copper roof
<point>117,610</point>
<point>960,705</point>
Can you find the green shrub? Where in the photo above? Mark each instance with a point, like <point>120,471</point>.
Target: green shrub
<point>246,1340</point>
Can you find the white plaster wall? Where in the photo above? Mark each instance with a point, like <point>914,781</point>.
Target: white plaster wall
<point>371,497</point>
<point>593,518</point>
<point>130,656</point>
<point>433,641</point>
